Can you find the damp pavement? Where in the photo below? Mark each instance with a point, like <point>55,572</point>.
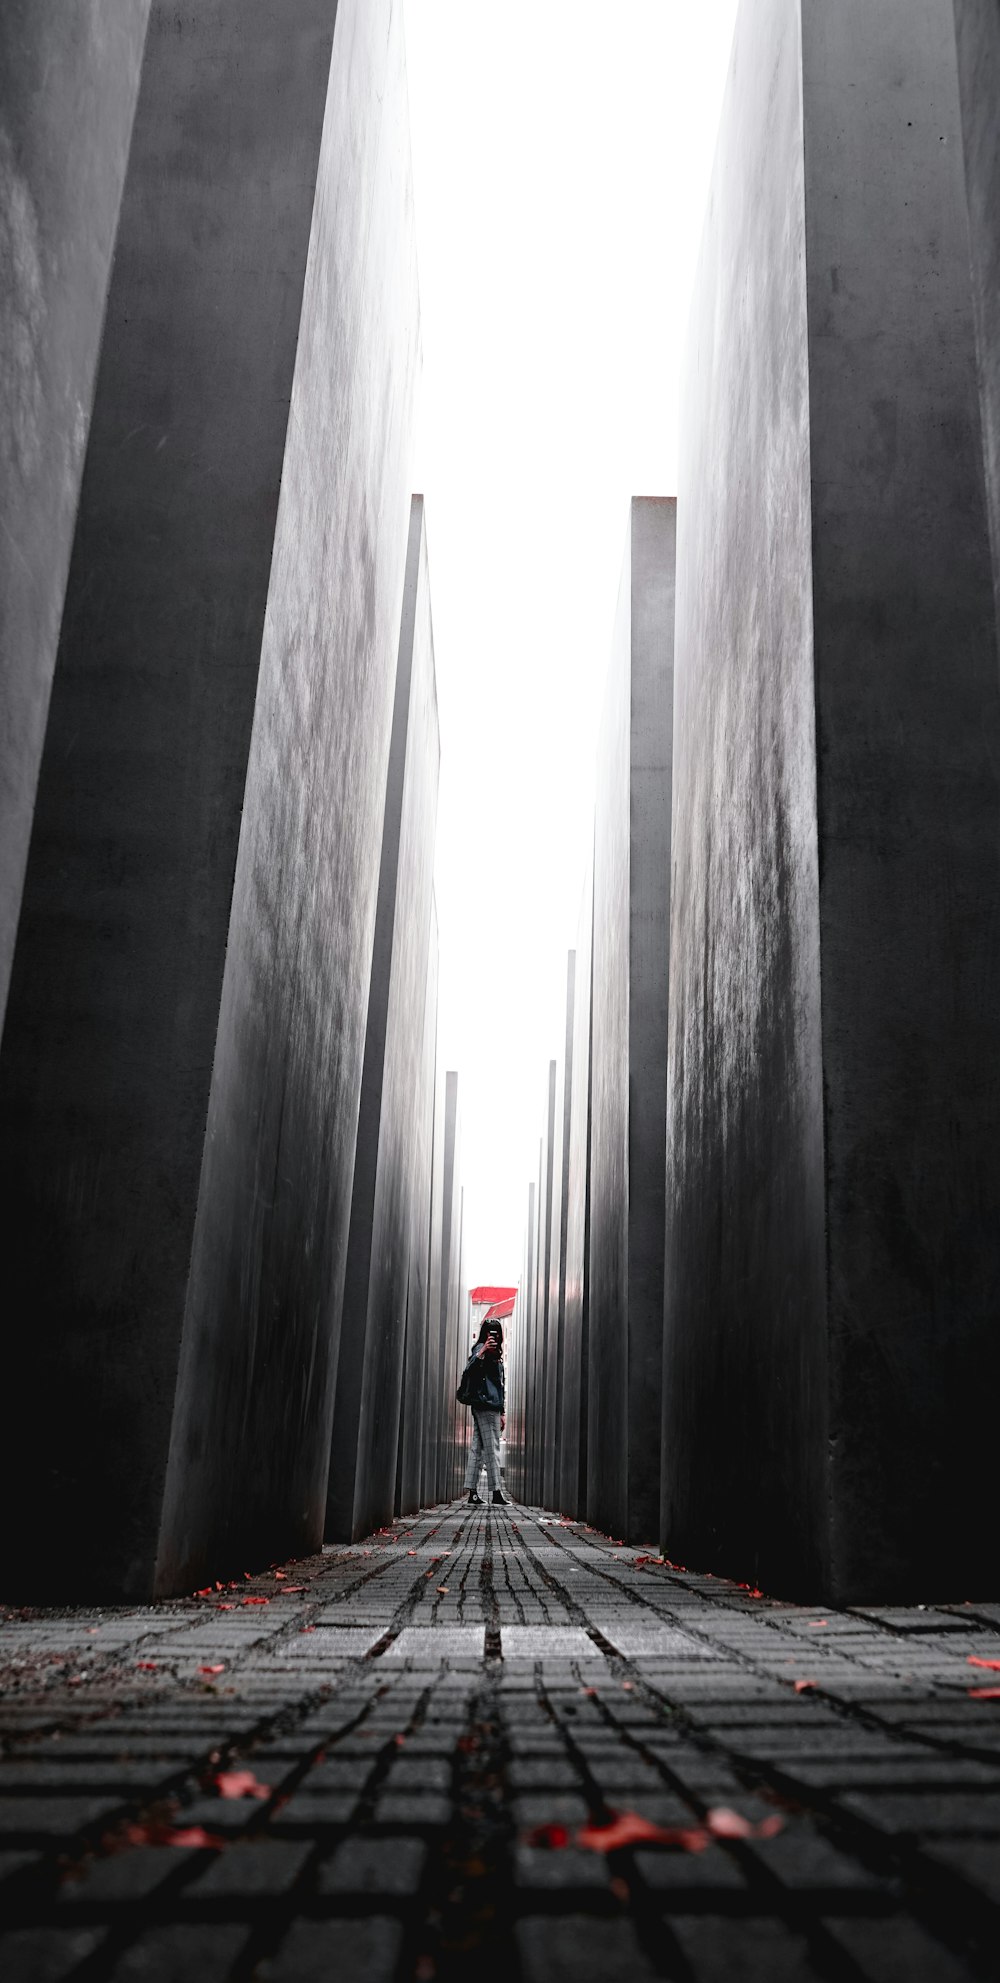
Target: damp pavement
<point>493,1743</point>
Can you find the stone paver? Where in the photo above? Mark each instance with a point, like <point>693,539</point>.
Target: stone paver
<point>449,1751</point>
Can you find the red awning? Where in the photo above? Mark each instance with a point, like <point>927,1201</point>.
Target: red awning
<point>478,1295</point>
<point>500,1310</point>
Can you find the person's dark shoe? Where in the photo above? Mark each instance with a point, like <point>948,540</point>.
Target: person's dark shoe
<point>473,1497</point>
<point>500,1498</point>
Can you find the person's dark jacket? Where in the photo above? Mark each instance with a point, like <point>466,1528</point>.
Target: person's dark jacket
<point>485,1388</point>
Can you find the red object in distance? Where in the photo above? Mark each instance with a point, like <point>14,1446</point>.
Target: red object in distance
<point>500,1310</point>
<point>478,1296</point>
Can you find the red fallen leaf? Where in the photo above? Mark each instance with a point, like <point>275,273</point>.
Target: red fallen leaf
<point>305,1629</point>
<point>993,1664</point>
<point>756,1593</point>
<point>984,1693</point>
<point>225,1607</point>
<point>591,1692</point>
<point>627,1687</point>
<point>293,1590</point>
<point>551,1838</point>
<point>815,1623</point>
<point>207,1592</point>
<point>218,1586</point>
<point>628,1828</point>
<point>805,1686</point>
<point>279,1574</point>
<point>640,1560</point>
<point>723,1823</point>
<point>443,1589</point>
<point>213,1669</point>
<point>411,1552</point>
<point>161,1834</point>
<point>240,1783</point>
<point>399,1740</point>
<point>255,1600</point>
<point>146,1665</point>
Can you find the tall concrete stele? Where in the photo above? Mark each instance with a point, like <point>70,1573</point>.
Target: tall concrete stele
<point>215,313</point>
<point>364,1448</point>
<point>832,1359</point>
<point>629,1037</point>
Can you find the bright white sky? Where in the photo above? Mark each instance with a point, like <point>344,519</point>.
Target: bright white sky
<point>561,153</point>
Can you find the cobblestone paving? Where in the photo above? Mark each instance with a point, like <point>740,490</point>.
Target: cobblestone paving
<point>425,1757</point>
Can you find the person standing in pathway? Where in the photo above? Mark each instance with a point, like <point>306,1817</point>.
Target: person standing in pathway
<point>482,1389</point>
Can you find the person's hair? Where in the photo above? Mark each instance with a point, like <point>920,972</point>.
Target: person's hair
<point>486,1329</point>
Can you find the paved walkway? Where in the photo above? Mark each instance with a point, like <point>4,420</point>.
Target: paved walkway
<point>493,1744</point>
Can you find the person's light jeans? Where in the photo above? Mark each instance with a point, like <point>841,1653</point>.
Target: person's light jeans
<point>484,1450</point>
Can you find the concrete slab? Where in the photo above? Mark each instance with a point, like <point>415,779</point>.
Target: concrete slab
<point>632,862</point>
<point>547,1642</point>
<point>427,1645</point>
<point>830,1315</point>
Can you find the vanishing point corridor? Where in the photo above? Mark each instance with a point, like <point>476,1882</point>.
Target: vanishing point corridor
<point>495,1743</point>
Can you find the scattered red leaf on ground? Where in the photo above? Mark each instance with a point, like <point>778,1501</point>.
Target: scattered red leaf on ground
<point>279,1575</point>
<point>208,1591</point>
<point>305,1629</point>
<point>164,1834</point>
<point>993,1664</point>
<point>551,1838</point>
<point>628,1828</point>
<point>220,1668</point>
<point>146,1665</point>
<point>640,1560</point>
<point>815,1623</point>
<point>627,1687</point>
<point>254,1600</point>
<point>804,1686</point>
<point>591,1692</point>
<point>240,1783</point>
<point>442,1589</point>
<point>293,1590</point>
<point>984,1693</point>
<point>723,1823</point>
<point>411,1552</point>
<point>225,1607</point>
<point>399,1740</point>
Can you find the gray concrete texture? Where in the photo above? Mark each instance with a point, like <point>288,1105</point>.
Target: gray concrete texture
<point>413,1423</point>
<point>221,701</point>
<point>575,1408</point>
<point>977,28</point>
<point>832,1358</point>
<point>363,1454</point>
<point>69,78</point>
<point>443,1334</point>
<point>629,1036</point>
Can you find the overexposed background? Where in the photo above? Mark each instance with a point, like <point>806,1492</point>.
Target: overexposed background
<point>561,156</point>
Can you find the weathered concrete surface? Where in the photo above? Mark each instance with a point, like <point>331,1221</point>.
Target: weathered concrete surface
<point>413,1426</point>
<point>629,1035</point>
<point>69,77</point>
<point>557,1265</point>
<point>519,1337</point>
<point>263,1308</point>
<point>835,1020</point>
<point>977,27</point>
<point>573,1434</point>
<point>443,1330</point>
<point>417,1716</point>
<point>114,1015</point>
<point>362,1480</point>
<point>541,1401</point>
